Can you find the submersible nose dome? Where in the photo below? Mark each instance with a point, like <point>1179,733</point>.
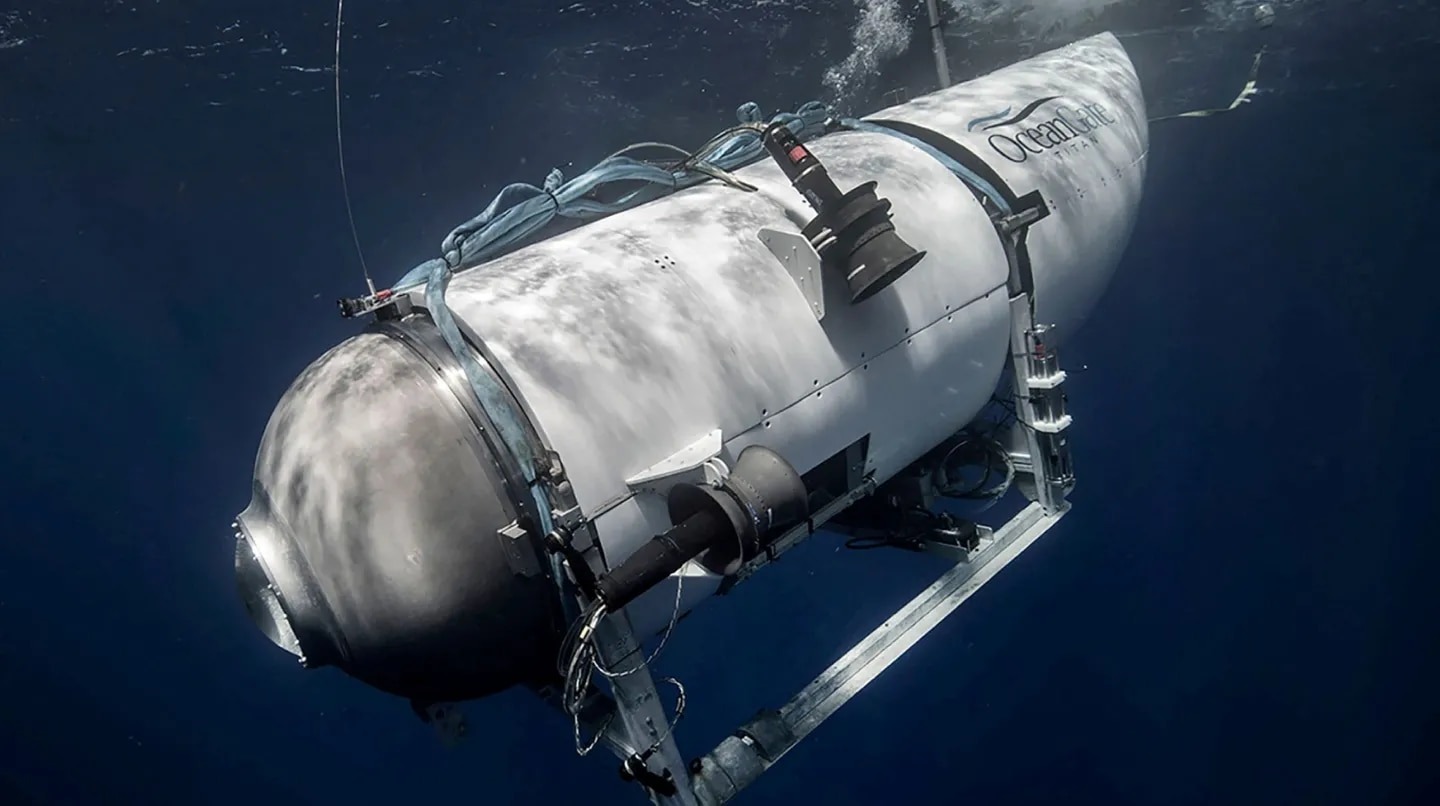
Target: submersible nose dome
<point>372,539</point>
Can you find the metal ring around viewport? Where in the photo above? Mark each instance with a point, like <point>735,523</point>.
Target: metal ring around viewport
<point>421,337</point>
<point>419,334</point>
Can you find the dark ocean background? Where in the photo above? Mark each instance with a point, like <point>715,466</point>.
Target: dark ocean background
<point>1242,607</point>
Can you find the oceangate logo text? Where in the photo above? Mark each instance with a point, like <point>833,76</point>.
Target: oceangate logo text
<point>1062,124</point>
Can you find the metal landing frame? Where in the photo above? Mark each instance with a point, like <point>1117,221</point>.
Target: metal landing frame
<point>634,720</point>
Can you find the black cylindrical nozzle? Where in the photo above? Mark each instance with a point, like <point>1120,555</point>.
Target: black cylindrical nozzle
<point>722,526</point>
<point>763,496</point>
<point>661,557</point>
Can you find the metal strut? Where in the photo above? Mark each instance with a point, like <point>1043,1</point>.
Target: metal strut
<point>639,733</point>
<point>1041,453</point>
<point>740,759</point>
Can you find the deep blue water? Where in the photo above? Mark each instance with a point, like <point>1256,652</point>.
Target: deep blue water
<point>1241,608</point>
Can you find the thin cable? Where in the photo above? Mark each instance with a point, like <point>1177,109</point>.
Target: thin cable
<point>577,676</point>
<point>910,540</point>
<point>522,210</point>
<point>579,657</point>
<point>679,712</point>
<point>340,148</point>
<point>583,748</point>
<point>674,619</point>
<point>650,144</point>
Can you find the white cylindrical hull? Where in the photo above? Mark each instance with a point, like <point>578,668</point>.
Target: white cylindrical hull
<point>634,336</point>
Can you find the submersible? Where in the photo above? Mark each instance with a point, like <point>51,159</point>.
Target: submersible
<point>648,408</point>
